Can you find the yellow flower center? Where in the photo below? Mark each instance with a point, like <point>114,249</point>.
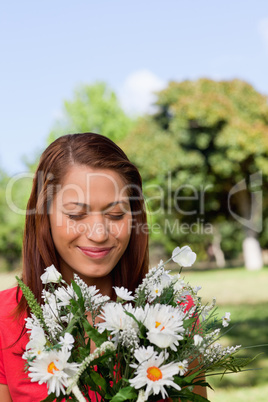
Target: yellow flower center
<point>157,323</point>
<point>51,368</point>
<point>154,373</point>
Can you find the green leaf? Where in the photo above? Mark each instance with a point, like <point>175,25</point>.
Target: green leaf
<point>189,322</point>
<point>188,379</point>
<point>79,294</point>
<point>99,380</point>
<point>94,334</point>
<point>187,396</point>
<point>142,328</point>
<point>125,394</point>
<point>52,398</point>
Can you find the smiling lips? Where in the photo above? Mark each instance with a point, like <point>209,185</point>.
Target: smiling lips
<point>96,252</point>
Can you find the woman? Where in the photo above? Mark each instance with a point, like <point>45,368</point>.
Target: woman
<point>85,215</point>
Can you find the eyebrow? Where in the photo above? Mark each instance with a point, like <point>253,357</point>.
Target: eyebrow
<point>111,204</point>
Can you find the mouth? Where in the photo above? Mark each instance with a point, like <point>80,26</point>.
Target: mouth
<point>95,252</point>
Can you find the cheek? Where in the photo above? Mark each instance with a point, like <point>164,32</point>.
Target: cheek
<point>122,230</point>
<point>61,233</point>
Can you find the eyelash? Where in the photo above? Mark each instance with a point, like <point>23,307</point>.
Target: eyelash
<point>74,217</point>
<point>77,217</point>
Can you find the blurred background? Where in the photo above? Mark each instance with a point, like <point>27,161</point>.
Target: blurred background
<point>182,87</point>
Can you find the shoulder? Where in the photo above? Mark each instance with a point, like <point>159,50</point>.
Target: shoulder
<point>8,300</point>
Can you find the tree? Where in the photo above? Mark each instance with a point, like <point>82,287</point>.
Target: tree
<point>14,193</point>
<point>93,108</point>
<point>212,140</point>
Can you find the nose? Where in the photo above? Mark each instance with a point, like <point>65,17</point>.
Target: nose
<point>97,228</point>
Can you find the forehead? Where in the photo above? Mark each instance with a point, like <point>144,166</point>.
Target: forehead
<point>85,184</point>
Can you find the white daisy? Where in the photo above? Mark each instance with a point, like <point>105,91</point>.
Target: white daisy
<point>164,324</point>
<point>54,370</point>
<point>116,319</point>
<point>123,293</point>
<point>152,373</point>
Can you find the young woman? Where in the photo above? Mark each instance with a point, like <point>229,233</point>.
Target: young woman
<point>85,215</point>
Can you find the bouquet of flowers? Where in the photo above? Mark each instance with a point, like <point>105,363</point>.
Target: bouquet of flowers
<point>158,342</point>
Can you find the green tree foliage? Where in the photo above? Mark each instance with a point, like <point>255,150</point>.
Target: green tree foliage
<point>14,193</point>
<point>94,108</point>
<point>206,137</point>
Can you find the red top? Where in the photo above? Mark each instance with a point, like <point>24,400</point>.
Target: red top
<point>11,363</point>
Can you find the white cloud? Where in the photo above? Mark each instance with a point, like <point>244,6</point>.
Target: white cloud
<point>137,92</point>
<point>263,30</point>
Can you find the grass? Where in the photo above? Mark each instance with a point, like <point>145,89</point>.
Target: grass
<point>245,295</point>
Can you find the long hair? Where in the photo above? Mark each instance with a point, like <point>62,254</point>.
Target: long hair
<point>94,151</point>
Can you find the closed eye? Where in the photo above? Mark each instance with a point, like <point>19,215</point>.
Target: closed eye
<point>116,216</point>
<point>76,217</point>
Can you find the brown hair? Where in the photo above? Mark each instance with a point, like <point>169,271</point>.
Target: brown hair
<point>95,151</point>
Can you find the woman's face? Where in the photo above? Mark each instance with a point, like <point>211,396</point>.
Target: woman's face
<point>90,219</point>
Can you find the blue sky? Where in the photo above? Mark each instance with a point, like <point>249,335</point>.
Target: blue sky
<point>50,47</point>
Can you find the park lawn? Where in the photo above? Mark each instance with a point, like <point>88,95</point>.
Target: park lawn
<point>245,295</point>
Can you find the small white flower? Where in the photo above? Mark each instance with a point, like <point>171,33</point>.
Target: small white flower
<point>123,293</point>
<point>226,319</point>
<point>183,367</point>
<point>67,341</point>
<point>165,279</point>
<point>206,309</point>
<point>64,295</point>
<point>184,256</point>
<point>178,283</point>
<point>198,340</point>
<point>37,343</point>
<point>141,396</point>
<point>197,288</point>
<point>152,373</point>
<point>51,274</point>
<point>155,290</point>
<point>31,322</point>
<point>51,317</point>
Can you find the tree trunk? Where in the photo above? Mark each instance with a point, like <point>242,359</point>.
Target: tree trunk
<point>216,248</point>
<point>250,207</point>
